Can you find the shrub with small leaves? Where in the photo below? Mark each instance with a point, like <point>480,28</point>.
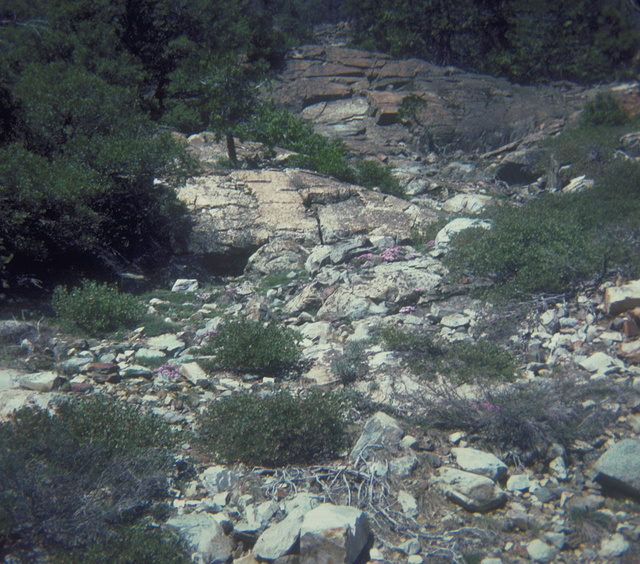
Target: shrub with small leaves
<point>252,346</point>
<point>274,430</point>
<point>97,308</point>
<point>471,360</point>
<point>352,364</point>
<point>603,110</point>
<point>77,476</point>
<point>524,419</point>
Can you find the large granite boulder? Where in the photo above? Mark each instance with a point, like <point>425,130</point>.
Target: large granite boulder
<point>238,212</point>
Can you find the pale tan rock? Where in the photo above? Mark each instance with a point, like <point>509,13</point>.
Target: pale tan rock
<point>618,299</point>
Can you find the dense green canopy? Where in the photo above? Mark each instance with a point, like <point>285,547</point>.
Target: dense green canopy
<point>85,88</point>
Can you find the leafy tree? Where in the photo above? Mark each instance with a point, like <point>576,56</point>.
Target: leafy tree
<point>84,86</point>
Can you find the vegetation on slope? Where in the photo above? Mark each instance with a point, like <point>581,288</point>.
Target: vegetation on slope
<point>524,40</point>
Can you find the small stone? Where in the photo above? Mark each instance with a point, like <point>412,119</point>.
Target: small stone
<point>456,437</point>
<point>415,559</point>
<point>40,381</point>
<point>408,503</point>
<point>184,285</point>
<point>216,479</point>
<point>518,482</point>
<point>409,442</point>
<point>410,547</point>
<point>558,468</point>
<point>472,491</point>
<point>455,321</point>
<point>479,462</point>
<point>540,551</point>
<point>615,546</point>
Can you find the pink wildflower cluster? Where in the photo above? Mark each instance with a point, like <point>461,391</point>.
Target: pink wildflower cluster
<point>407,309</point>
<point>430,244</point>
<point>391,254</point>
<point>168,371</point>
<point>365,256</point>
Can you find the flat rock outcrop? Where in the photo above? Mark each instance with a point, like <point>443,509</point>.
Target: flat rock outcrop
<point>356,95</point>
<point>237,212</point>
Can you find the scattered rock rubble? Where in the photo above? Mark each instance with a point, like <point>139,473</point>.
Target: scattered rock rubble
<point>348,269</point>
<point>409,481</point>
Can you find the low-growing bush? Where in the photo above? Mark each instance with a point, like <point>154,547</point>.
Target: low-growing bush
<point>72,479</point>
<point>352,364</point>
<point>522,419</point>
<point>133,544</point>
<point>97,308</point>
<point>468,361</point>
<point>418,350</point>
<point>371,174</point>
<point>603,110</point>
<point>252,346</point>
<point>556,242</point>
<point>274,430</point>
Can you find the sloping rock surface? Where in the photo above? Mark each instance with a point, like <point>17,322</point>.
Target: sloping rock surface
<point>356,95</point>
<point>237,212</point>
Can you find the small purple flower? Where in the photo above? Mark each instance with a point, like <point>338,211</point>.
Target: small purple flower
<point>430,244</point>
<point>168,371</point>
<point>208,333</point>
<point>418,289</point>
<point>365,256</point>
<point>407,309</point>
<point>391,254</point>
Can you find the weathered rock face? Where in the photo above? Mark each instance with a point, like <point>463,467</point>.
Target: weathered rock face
<point>356,95</point>
<point>236,213</point>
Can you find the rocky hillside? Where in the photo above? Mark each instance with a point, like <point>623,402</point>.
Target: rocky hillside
<point>478,432</point>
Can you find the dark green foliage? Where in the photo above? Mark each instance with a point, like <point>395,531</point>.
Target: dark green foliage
<point>252,346</point>
<point>469,361</point>
<point>526,40</point>
<point>135,544</point>
<point>325,156</point>
<point>418,350</point>
<point>97,308</point>
<point>557,242</point>
<point>83,87</point>
<point>72,479</point>
<point>464,361</point>
<point>604,110</point>
<point>352,364</point>
<point>274,430</point>
<point>371,174</point>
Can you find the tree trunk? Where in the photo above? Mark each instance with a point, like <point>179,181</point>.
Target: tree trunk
<point>231,150</point>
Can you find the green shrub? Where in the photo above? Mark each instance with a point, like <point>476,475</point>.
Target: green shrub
<point>73,478</point>
<point>417,349</point>
<point>604,110</point>
<point>468,361</point>
<point>274,430</point>
<point>352,364</point>
<point>135,544</point>
<point>371,174</point>
<point>557,242</point>
<point>98,308</point>
<point>252,346</point>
